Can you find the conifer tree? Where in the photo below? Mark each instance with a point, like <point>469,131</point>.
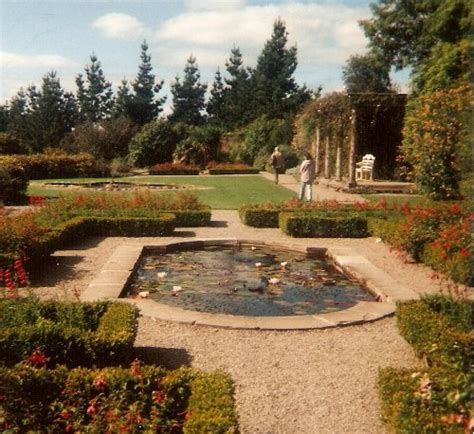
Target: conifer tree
<point>276,91</point>
<point>123,100</point>
<point>94,94</point>
<point>188,95</point>
<point>215,106</point>
<point>144,104</point>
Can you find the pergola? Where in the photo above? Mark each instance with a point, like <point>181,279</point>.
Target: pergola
<point>362,123</point>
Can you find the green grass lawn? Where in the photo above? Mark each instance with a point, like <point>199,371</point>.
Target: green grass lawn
<point>224,192</point>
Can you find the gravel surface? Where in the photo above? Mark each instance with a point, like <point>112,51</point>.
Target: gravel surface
<point>321,381</point>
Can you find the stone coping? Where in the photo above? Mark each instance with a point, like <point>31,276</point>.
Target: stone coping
<point>115,275</point>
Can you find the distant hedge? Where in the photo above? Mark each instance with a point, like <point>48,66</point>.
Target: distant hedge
<point>73,334</point>
<point>13,184</point>
<point>50,166</point>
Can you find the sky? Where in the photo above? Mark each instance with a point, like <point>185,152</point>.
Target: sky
<point>38,36</point>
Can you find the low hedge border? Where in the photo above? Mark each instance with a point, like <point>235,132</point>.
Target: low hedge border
<point>309,225</point>
<point>437,397</point>
<point>249,171</point>
<point>192,218</point>
<point>73,334</point>
<point>142,398</point>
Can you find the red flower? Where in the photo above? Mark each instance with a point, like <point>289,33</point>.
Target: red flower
<point>92,409</point>
<point>135,368</point>
<point>158,397</point>
<point>464,252</point>
<point>65,414</point>
<point>100,382</point>
<point>37,358</point>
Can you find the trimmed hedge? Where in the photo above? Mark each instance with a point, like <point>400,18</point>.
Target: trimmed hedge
<point>192,218</point>
<point>13,184</point>
<point>173,169</point>
<point>139,399</point>
<point>49,166</point>
<point>259,217</point>
<point>74,334</point>
<point>309,225</point>
<point>435,398</point>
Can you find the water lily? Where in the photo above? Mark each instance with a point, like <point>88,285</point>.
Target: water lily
<point>162,274</point>
<point>144,294</point>
<point>253,248</point>
<point>274,281</point>
<point>284,264</point>
<point>177,289</point>
<point>258,264</point>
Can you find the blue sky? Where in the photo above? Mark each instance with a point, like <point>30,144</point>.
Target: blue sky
<point>39,36</point>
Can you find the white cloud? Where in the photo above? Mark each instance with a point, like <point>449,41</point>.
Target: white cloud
<point>208,5</point>
<point>120,26</point>
<point>44,61</point>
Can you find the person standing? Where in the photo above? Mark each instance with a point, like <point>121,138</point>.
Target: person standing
<point>307,172</point>
<point>278,163</point>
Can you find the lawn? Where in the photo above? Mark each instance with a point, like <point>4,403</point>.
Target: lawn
<point>223,192</point>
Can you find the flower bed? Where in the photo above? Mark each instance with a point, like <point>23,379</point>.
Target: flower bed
<point>139,399</point>
<point>173,169</point>
<point>435,398</point>
<point>74,334</point>
<point>230,169</point>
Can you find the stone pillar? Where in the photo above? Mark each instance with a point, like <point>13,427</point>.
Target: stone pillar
<point>339,159</point>
<point>317,151</point>
<point>327,169</point>
<point>352,151</point>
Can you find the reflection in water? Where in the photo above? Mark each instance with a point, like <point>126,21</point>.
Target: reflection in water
<point>246,281</point>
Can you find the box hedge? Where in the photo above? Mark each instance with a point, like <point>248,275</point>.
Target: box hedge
<point>74,334</point>
<point>13,184</point>
<point>139,399</point>
<point>435,398</point>
<point>310,225</point>
<point>173,169</point>
<point>55,165</point>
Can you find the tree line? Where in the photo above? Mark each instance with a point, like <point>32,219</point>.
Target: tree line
<point>41,117</point>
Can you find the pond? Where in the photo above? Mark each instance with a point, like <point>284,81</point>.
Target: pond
<point>245,280</point>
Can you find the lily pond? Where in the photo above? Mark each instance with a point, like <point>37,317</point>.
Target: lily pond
<point>245,280</point>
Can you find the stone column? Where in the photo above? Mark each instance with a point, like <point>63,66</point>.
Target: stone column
<point>327,169</point>
<point>352,151</point>
<point>317,151</point>
<point>339,159</point>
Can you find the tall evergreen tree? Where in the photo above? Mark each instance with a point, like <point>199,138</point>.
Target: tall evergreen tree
<point>188,95</point>
<point>41,117</point>
<point>123,100</point>
<point>145,106</point>
<point>366,73</point>
<point>276,91</point>
<point>94,94</point>
<point>238,94</point>
<point>215,106</point>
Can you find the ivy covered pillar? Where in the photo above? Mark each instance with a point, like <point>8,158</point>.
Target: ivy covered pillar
<point>327,161</point>
<point>317,151</point>
<point>353,149</point>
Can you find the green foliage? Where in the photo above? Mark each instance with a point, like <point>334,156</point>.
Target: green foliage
<point>211,407</point>
<point>74,334</point>
<point>311,225</point>
<point>366,73</point>
<point>230,169</point>
<point>215,107</point>
<point>436,141</point>
<point>142,398</point>
<point>188,95</point>
<point>259,216</point>
<point>94,94</point>
<point>108,140</point>
<point>155,143</point>
<point>435,399</point>
<point>173,169</point>
<point>54,165</point>
<point>13,184</point>
<point>9,144</point>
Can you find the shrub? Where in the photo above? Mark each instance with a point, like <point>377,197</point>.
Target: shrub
<point>142,398</point>
<point>9,144</point>
<point>437,140</point>
<point>311,225</point>
<point>13,184</point>
<point>154,143</point>
<point>433,399</point>
<point>55,165</point>
<point>173,169</point>
<point>108,140</point>
<point>73,334</point>
<point>215,168</point>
